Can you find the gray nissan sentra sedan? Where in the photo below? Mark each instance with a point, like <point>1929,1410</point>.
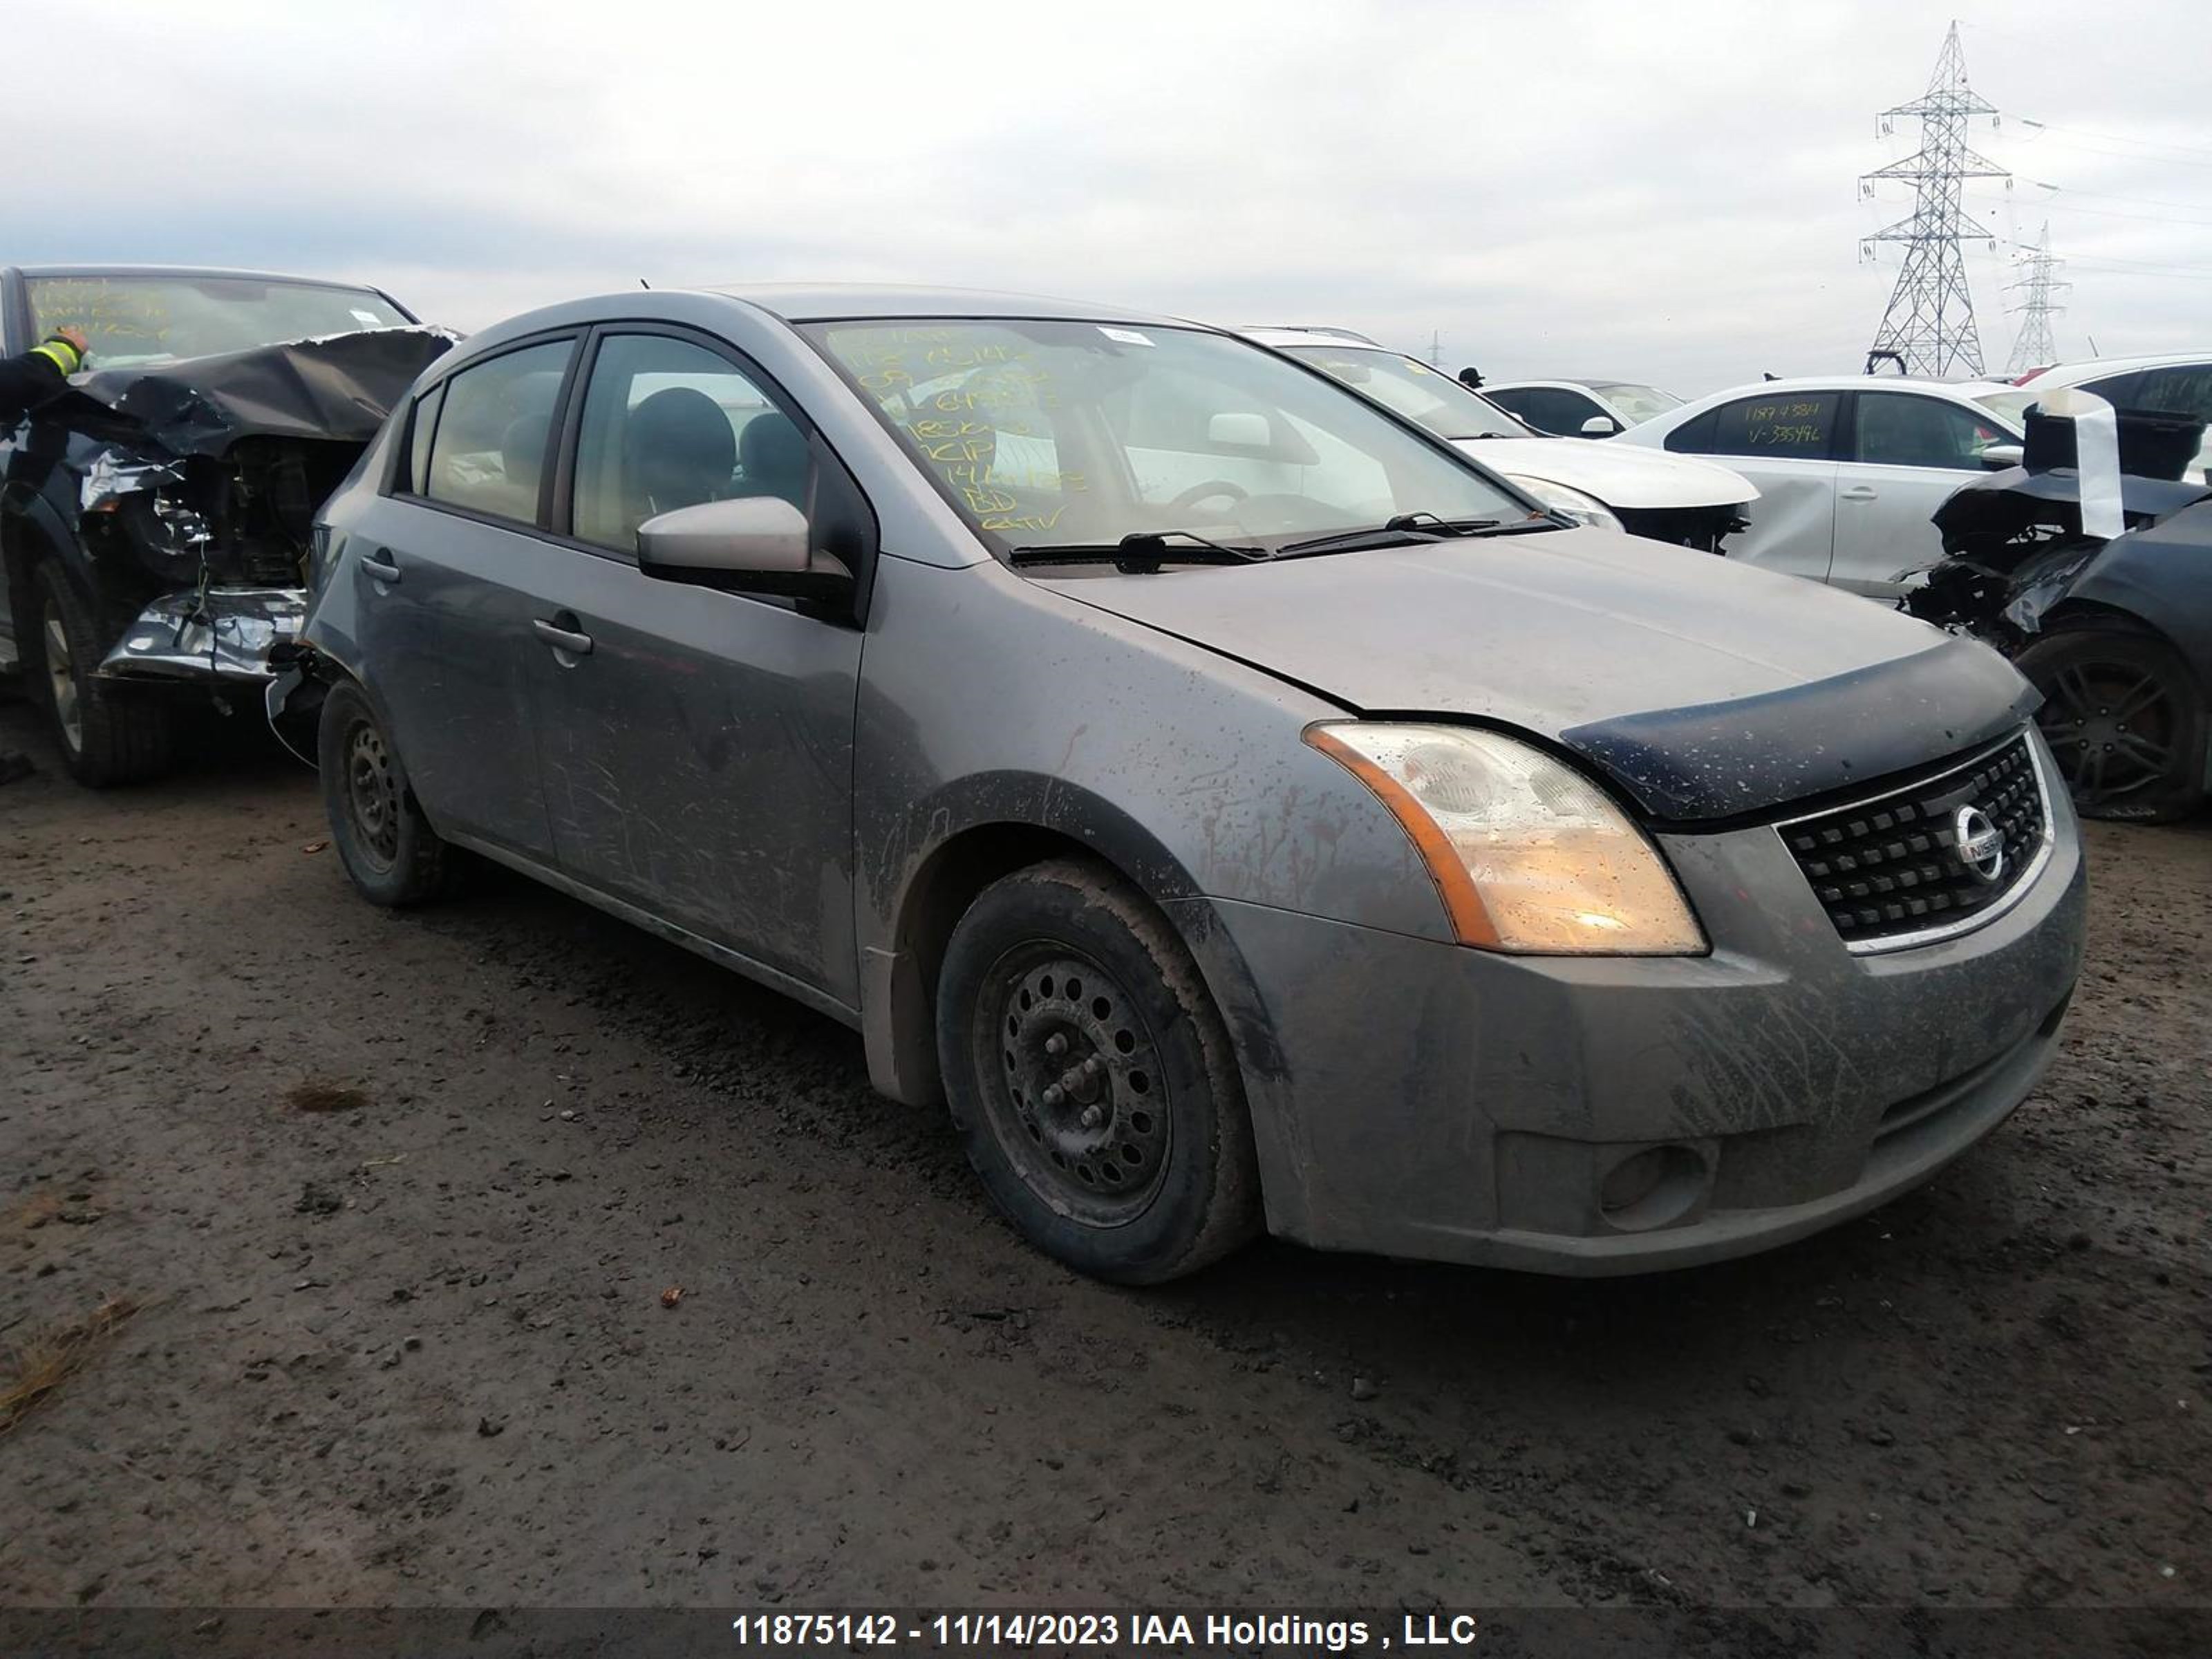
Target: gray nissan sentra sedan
<point>1239,807</point>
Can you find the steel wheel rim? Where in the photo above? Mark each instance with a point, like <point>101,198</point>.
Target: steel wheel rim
<point>2111,726</point>
<point>372,795</point>
<point>1072,1084</point>
<point>61,680</point>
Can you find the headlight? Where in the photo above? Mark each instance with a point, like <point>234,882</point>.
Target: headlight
<point>1526,854</point>
<point>1568,503</point>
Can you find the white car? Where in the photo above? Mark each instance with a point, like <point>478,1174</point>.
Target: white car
<point>2175,382</point>
<point>1580,409</point>
<point>1849,469</point>
<point>1667,498</point>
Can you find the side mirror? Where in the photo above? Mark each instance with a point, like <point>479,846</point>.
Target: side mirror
<point>758,544</point>
<point>1998,457</point>
<point>1600,426</point>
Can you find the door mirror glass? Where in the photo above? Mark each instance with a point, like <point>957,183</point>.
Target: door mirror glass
<point>762,536</point>
<point>1600,425</point>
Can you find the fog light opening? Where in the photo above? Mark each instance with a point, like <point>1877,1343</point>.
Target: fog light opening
<point>1652,1188</point>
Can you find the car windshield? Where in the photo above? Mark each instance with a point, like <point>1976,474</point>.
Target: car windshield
<point>1067,435</point>
<point>1638,402</point>
<point>130,320</point>
<point>1412,388</point>
<point>2009,406</point>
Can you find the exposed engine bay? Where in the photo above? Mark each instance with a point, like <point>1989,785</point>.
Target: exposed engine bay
<point>182,494</point>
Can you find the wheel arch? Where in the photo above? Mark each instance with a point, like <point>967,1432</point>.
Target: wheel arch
<point>988,830</point>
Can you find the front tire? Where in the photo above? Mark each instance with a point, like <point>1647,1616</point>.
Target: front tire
<point>108,733</point>
<point>2125,718</point>
<point>388,848</point>
<point>1092,1080</point>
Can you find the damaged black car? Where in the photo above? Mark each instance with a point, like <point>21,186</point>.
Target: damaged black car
<point>2090,565</point>
<point>155,518</point>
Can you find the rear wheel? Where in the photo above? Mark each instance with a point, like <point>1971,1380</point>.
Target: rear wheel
<point>1092,1078</point>
<point>2125,718</point>
<point>108,733</point>
<point>388,848</point>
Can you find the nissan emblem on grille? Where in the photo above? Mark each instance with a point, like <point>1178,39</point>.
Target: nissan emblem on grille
<point>1927,857</point>
<point>1980,843</point>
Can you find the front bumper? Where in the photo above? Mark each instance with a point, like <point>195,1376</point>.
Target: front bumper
<point>224,633</point>
<point>1419,1099</point>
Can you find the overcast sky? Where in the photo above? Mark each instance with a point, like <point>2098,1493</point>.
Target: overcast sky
<point>1654,191</point>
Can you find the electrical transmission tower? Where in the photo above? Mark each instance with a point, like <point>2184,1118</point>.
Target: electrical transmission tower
<point>2032,347</point>
<point>1928,328</point>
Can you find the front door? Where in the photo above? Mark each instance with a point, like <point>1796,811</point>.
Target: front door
<point>1908,454</point>
<point>696,745</point>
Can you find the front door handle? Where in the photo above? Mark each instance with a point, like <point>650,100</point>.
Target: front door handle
<point>562,639</point>
<point>1860,493</point>
<point>378,564</point>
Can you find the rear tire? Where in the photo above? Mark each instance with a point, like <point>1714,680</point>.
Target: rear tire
<point>388,848</point>
<point>2125,718</point>
<point>108,733</point>
<point>1092,1078</point>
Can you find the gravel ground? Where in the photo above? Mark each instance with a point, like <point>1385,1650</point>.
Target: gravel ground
<point>398,1200</point>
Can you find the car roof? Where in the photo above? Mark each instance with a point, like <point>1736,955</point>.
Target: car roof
<point>823,301</point>
<point>1566,380</point>
<point>2090,368</point>
<point>36,272</point>
<point>1298,334</point>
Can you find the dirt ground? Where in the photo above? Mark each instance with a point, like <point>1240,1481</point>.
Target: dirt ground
<point>409,1346</point>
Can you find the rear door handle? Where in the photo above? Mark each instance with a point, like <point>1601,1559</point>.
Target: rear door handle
<point>378,564</point>
<point>562,639</point>
<point>1860,493</point>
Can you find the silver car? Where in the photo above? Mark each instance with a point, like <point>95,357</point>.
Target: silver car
<point>1242,810</point>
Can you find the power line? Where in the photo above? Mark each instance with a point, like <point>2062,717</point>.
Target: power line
<point>1929,325</point>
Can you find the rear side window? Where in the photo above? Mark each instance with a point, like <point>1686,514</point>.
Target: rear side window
<point>1795,425</point>
<point>494,431</point>
<point>668,424</point>
<point>1894,429</point>
<point>424,422</point>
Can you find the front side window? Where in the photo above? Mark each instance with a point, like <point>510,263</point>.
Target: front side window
<point>668,424</point>
<point>2184,389</point>
<point>1548,408</point>
<point>1412,388</point>
<point>134,320</point>
<point>1053,433</point>
<point>1895,429</point>
<point>488,454</point>
<point>1789,425</point>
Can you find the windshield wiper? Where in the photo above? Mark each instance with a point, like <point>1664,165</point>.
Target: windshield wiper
<point>1141,553</point>
<point>1406,529</point>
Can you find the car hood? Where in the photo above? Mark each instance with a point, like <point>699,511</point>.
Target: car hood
<point>1616,475</point>
<point>1705,691</point>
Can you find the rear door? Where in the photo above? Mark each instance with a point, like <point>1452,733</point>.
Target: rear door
<point>1907,453</point>
<point>2181,389</point>
<point>696,744</point>
<point>1783,443</point>
<point>446,568</point>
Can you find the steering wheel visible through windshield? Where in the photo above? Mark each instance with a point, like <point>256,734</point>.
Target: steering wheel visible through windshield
<point>1054,434</point>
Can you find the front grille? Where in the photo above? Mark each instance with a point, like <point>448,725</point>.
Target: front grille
<point>1888,871</point>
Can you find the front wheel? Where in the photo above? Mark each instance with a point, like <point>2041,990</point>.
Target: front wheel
<point>108,733</point>
<point>2124,719</point>
<point>388,848</point>
<point>1092,1078</point>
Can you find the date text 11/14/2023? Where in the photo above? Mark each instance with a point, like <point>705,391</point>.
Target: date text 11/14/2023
<point>1186,1632</point>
